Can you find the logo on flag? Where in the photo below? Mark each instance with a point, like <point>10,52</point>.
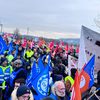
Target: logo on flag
<point>42,84</point>
<point>84,81</point>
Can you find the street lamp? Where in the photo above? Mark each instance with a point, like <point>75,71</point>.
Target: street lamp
<point>1,25</point>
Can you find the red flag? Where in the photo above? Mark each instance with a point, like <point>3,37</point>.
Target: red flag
<point>24,43</point>
<point>61,43</point>
<point>31,44</point>
<point>55,51</point>
<point>76,93</point>
<point>66,48</point>
<point>57,46</point>
<point>77,49</point>
<point>41,42</point>
<point>51,45</point>
<point>71,48</point>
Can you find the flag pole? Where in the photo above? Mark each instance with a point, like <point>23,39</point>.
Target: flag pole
<point>94,94</point>
<point>1,25</point>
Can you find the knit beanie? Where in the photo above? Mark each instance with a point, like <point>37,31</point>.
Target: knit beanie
<point>2,60</point>
<point>22,90</point>
<point>57,77</point>
<point>70,79</point>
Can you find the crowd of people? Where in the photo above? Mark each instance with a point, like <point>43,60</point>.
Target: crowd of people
<point>16,66</point>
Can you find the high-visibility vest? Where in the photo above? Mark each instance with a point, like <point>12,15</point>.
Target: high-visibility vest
<point>5,75</point>
<point>10,58</point>
<point>1,76</point>
<point>29,53</point>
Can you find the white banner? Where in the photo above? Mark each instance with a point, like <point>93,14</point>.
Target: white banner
<point>72,63</point>
<point>89,45</point>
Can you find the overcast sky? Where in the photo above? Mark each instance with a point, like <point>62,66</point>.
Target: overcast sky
<point>49,15</point>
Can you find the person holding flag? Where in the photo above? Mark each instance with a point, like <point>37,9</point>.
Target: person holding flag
<point>84,80</point>
<point>95,90</point>
<point>39,79</point>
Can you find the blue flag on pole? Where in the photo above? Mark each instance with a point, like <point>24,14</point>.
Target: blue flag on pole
<point>40,64</point>
<point>39,79</point>
<point>49,62</point>
<point>87,75</point>
<point>16,51</point>
<point>33,74</point>
<point>41,83</point>
<point>10,47</point>
<point>3,46</point>
<point>37,68</point>
<point>89,69</point>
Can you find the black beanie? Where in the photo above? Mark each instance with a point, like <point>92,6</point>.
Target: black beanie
<point>2,60</point>
<point>23,89</point>
<point>57,77</point>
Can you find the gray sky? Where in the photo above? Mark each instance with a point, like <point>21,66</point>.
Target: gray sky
<point>49,15</point>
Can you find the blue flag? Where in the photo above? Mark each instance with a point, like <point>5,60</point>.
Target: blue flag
<point>33,74</point>
<point>16,51</point>
<point>10,47</point>
<point>49,62</point>
<point>87,75</point>
<point>3,46</point>
<point>37,68</point>
<point>39,79</point>
<point>40,64</point>
<point>89,69</point>
<point>41,83</point>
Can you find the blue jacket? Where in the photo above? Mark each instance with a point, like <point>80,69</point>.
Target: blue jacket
<point>54,97</point>
<point>14,75</point>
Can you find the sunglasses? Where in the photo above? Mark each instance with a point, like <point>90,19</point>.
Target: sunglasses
<point>18,64</point>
